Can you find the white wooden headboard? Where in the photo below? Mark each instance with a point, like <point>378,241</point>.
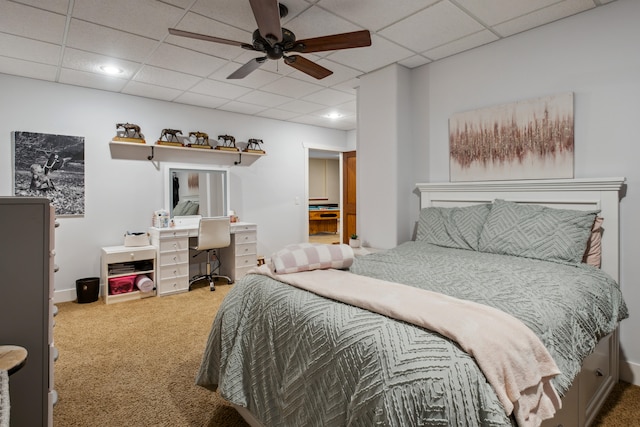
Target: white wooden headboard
<point>582,194</point>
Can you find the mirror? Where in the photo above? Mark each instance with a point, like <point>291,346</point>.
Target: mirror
<point>196,190</point>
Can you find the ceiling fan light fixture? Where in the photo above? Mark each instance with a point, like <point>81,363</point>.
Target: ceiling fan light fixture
<point>111,69</point>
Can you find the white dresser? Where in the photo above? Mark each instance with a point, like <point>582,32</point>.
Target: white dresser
<point>26,304</point>
<point>172,245</point>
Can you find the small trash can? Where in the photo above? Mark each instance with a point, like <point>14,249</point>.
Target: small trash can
<point>87,289</point>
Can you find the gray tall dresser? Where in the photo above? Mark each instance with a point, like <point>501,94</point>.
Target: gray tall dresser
<point>26,304</point>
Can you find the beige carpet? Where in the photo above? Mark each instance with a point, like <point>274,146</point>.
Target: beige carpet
<point>134,364</point>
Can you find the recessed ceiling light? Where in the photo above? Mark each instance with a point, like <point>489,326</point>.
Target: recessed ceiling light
<point>333,115</point>
<point>111,69</point>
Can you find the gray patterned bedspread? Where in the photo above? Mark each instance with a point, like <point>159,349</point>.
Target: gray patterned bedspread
<point>297,359</point>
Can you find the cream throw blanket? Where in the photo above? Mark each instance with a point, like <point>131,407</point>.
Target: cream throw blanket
<point>4,398</point>
<point>511,356</point>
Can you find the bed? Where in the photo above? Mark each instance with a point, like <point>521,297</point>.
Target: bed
<point>287,356</point>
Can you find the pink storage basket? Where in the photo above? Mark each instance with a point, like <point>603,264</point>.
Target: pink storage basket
<point>121,285</point>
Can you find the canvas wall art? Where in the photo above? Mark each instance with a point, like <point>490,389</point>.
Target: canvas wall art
<point>530,139</point>
<point>50,166</point>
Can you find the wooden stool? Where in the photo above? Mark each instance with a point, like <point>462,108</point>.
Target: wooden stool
<point>12,358</point>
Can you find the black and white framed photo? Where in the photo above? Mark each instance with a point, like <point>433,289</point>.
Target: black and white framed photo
<point>51,166</point>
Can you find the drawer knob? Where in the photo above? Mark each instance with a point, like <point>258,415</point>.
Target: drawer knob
<point>132,255</point>
<point>599,373</point>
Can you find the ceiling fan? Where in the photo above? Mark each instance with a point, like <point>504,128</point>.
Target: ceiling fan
<point>276,42</point>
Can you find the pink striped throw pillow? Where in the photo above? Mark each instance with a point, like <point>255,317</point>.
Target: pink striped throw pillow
<point>311,256</point>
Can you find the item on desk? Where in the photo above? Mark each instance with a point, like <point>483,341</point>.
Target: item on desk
<point>137,238</point>
<point>144,283</point>
<point>161,218</point>
<point>233,217</point>
<point>121,285</point>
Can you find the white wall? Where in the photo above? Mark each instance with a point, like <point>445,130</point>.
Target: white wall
<point>384,144</point>
<point>122,194</point>
<point>594,55</point>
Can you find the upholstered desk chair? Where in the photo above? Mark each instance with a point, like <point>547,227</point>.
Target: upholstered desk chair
<point>213,233</point>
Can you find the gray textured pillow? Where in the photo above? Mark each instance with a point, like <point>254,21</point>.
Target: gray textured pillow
<point>535,231</point>
<point>453,227</point>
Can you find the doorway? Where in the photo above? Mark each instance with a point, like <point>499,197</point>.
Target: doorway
<point>324,196</point>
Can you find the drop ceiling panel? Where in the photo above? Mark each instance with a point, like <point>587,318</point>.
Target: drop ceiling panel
<point>493,12</point>
<point>301,107</point>
<point>460,45</point>
<point>28,49</point>
<point>375,14</point>
<point>264,99</point>
<point>432,27</point>
<point>91,62</point>
<point>58,6</point>
<point>364,59</point>
<point>291,87</point>
<point>166,78</point>
<point>242,108</point>
<point>150,91</point>
<point>148,18</point>
<point>316,22</point>
<point>219,89</point>
<point>274,113</point>
<point>30,22</point>
<point>543,16</point>
<point>185,60</point>
<point>29,69</point>
<point>107,41</point>
<point>86,79</point>
<point>201,100</point>
<point>328,96</point>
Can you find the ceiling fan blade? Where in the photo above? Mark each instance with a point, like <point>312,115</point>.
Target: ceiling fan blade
<point>309,67</point>
<point>334,42</point>
<point>204,37</point>
<point>247,68</point>
<point>267,14</point>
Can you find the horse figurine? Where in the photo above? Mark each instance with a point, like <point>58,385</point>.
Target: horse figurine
<point>254,144</point>
<point>227,141</point>
<point>201,137</point>
<point>170,135</point>
<point>128,129</point>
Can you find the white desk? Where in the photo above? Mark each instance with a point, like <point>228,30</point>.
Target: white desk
<point>172,245</point>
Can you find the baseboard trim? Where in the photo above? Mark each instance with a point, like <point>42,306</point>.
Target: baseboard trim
<point>630,372</point>
<point>67,295</point>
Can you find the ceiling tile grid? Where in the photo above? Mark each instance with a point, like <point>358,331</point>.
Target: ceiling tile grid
<point>70,41</point>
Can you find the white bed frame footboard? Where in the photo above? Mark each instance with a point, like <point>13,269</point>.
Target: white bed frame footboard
<point>600,370</point>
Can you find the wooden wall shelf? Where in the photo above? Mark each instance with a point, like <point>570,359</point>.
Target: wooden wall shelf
<point>166,153</point>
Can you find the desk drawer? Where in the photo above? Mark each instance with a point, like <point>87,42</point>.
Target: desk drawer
<point>174,270</point>
<point>173,285</point>
<point>245,249</point>
<point>245,237</point>
<point>173,257</point>
<point>169,245</point>
<point>172,234</point>
<point>243,228</point>
<point>132,255</point>
<point>246,261</point>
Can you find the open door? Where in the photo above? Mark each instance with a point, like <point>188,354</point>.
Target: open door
<point>349,224</point>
